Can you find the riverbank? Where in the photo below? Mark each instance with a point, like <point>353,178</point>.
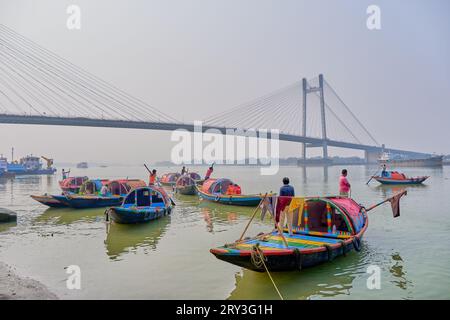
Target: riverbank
<point>14,287</point>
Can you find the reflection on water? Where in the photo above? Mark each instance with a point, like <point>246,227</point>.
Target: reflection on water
<point>6,226</point>
<point>65,216</point>
<point>124,238</point>
<point>399,274</point>
<point>324,281</point>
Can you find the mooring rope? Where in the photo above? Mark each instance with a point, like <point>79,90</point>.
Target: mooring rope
<point>258,258</point>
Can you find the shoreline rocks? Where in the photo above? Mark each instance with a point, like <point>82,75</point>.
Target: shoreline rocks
<point>7,215</point>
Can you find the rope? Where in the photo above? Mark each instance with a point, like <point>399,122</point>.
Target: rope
<point>258,259</point>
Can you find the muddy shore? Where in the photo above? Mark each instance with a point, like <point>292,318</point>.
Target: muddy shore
<point>14,287</point>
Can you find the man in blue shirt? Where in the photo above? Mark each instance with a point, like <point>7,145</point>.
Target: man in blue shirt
<point>287,190</point>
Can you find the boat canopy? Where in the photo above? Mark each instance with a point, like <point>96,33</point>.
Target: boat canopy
<point>321,214</point>
<point>170,177</point>
<point>124,186</point>
<point>73,181</point>
<point>212,186</point>
<point>92,186</point>
<point>195,175</point>
<point>185,180</point>
<point>146,197</point>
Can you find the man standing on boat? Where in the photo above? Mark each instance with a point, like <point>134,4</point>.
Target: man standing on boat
<point>65,174</point>
<point>152,179</point>
<point>209,172</point>
<point>383,171</point>
<point>287,190</point>
<point>344,185</point>
<point>183,170</point>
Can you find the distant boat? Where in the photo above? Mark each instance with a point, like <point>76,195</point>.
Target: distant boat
<point>215,190</point>
<point>394,177</point>
<point>169,179</point>
<point>30,165</point>
<point>90,196</point>
<point>4,173</point>
<point>432,161</point>
<point>82,165</point>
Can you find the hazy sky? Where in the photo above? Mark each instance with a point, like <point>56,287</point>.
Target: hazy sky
<point>194,58</point>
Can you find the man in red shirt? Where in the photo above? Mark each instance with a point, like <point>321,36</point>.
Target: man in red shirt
<point>344,185</point>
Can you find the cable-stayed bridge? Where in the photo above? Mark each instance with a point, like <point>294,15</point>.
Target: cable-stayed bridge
<point>39,87</point>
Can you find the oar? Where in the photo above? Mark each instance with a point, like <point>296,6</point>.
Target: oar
<point>147,168</point>
<point>253,215</point>
<point>372,177</point>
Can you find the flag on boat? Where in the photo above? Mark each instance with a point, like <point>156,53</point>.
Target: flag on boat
<point>395,203</point>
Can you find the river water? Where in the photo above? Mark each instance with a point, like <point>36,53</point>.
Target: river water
<point>169,258</point>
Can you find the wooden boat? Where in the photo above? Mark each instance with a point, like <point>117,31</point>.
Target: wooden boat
<point>215,190</point>
<point>186,185</point>
<point>72,184</point>
<point>49,200</point>
<point>324,229</point>
<point>90,196</point>
<point>169,179</point>
<point>394,177</point>
<point>141,205</point>
<point>196,177</point>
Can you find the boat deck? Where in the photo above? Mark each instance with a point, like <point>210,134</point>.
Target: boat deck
<point>296,241</point>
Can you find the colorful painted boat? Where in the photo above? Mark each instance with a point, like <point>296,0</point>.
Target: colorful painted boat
<point>323,229</point>
<point>196,177</point>
<point>141,205</point>
<point>49,200</point>
<point>169,179</point>
<point>186,185</point>
<point>90,195</point>
<point>394,177</point>
<point>72,184</point>
<point>215,190</point>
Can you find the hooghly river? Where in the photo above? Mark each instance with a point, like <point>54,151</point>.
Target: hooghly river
<point>169,258</point>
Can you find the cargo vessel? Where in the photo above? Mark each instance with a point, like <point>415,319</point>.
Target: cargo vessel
<point>28,165</point>
<point>431,161</point>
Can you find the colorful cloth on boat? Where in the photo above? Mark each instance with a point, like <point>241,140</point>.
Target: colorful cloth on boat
<point>296,208</point>
<point>282,203</point>
<point>268,205</point>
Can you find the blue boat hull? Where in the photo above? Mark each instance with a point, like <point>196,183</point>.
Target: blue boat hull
<point>235,200</point>
<point>87,202</point>
<point>33,172</point>
<point>132,216</point>
<point>49,201</point>
<point>389,181</point>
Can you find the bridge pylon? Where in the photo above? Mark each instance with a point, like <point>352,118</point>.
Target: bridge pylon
<point>306,90</point>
